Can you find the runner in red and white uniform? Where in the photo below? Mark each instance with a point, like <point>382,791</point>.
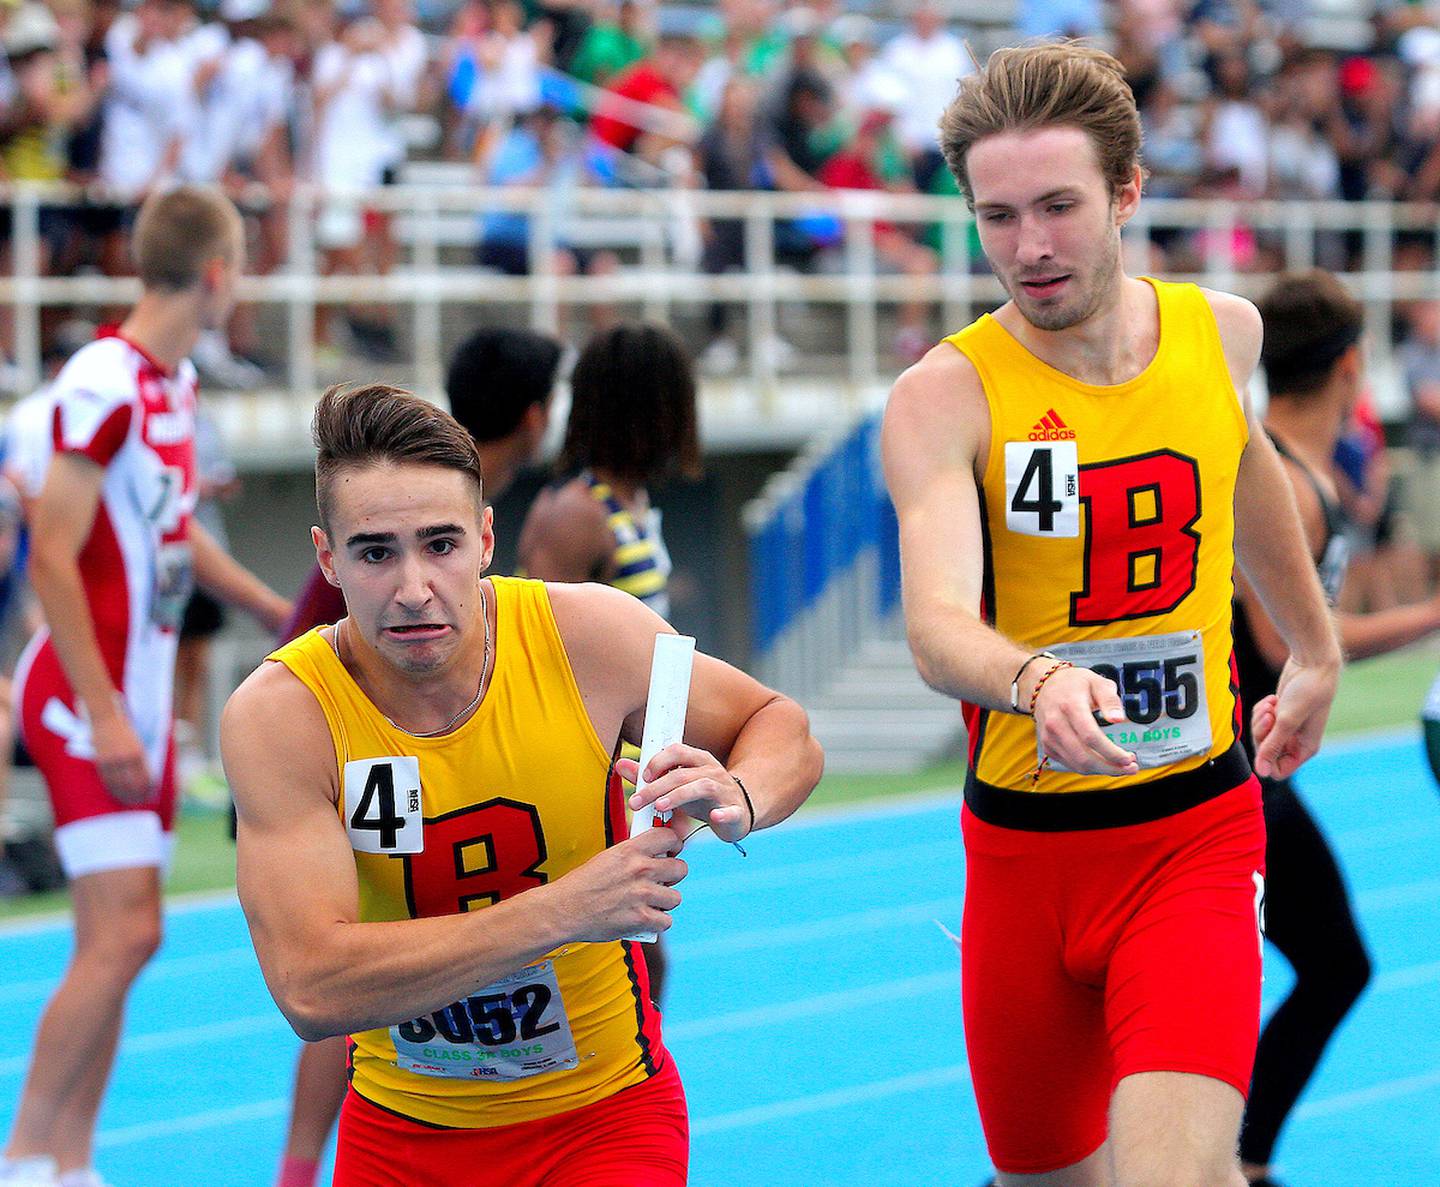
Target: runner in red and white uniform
<point>117,407</point>
<point>114,551</point>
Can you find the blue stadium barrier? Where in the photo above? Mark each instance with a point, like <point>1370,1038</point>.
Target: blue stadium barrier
<point>824,559</point>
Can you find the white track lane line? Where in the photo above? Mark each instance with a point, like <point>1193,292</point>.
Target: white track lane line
<point>161,969</point>
<point>780,1110</point>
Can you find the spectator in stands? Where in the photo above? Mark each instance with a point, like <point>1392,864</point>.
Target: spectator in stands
<point>619,38</point>
<point>1150,32</point>
<point>792,151</point>
<point>239,102</point>
<point>496,74</point>
<point>565,24</point>
<point>1419,360</point>
<point>868,82</point>
<point>792,148</point>
<point>362,80</point>
<point>807,51</point>
<point>141,135</point>
<point>1365,129</point>
<point>1222,25</point>
<point>645,102</point>
<point>544,152</point>
<point>48,104</point>
<point>84,26</point>
<point>870,160</point>
<point>1237,136</point>
<point>1304,119</point>
<point>931,59</point>
<point>729,159</point>
<point>1173,152</point>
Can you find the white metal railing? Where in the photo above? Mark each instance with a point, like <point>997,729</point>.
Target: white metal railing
<point>658,281</point>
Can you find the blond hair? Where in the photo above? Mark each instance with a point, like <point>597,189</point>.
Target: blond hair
<point>180,231</point>
<point>1059,83</point>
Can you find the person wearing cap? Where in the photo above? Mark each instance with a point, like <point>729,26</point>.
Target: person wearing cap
<point>49,103</point>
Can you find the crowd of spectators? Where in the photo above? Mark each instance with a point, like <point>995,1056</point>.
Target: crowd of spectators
<point>1236,99</point>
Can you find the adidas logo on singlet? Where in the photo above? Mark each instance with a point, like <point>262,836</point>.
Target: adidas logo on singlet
<point>1051,428</point>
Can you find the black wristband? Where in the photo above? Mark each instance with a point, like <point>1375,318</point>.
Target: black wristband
<point>1015,684</point>
<point>748,803</point>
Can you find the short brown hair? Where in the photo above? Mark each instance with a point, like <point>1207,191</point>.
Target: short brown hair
<point>372,425</point>
<point>179,231</point>
<point>1059,83</point>
<point>1310,321</point>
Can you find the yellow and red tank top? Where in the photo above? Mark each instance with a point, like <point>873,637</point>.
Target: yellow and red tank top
<point>514,798</point>
<point>1108,516</point>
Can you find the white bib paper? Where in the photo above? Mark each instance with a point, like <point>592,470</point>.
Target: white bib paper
<point>383,806</point>
<point>512,1029</point>
<point>1042,488</point>
<point>1162,686</point>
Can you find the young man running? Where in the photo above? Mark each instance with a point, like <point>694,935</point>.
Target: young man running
<point>1076,476</point>
<point>431,857</point>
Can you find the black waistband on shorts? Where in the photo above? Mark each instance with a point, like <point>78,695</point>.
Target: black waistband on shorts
<point>1111,808</point>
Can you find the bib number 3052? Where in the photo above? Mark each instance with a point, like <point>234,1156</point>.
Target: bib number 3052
<point>514,1028</point>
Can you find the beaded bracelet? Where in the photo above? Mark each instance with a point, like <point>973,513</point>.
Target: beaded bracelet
<point>1050,671</point>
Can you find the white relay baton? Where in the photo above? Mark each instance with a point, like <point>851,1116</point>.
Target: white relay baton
<point>664,721</point>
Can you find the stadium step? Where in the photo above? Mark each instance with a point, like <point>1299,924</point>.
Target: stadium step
<point>876,714</point>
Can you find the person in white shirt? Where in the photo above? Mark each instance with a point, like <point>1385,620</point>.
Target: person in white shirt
<point>362,79</point>
<point>931,60</point>
<point>147,102</point>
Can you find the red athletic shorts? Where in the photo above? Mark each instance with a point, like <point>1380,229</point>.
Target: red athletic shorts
<point>640,1137</point>
<point>1088,956</point>
<point>93,830</point>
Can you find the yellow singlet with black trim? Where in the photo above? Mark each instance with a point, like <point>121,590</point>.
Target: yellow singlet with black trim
<point>1108,517</point>
<point>517,796</point>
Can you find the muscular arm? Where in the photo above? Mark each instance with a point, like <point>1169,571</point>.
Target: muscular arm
<point>935,431</point>
<point>331,974</point>
<point>735,725</point>
<point>227,579</point>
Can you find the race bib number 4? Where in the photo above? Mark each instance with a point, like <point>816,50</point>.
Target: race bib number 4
<point>1161,679</point>
<point>1042,488</point>
<point>382,805</point>
<point>512,1029</point>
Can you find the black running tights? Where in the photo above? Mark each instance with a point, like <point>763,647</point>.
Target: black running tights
<point>1308,917</point>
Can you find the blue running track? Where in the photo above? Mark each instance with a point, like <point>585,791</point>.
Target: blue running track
<point>814,1010</point>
